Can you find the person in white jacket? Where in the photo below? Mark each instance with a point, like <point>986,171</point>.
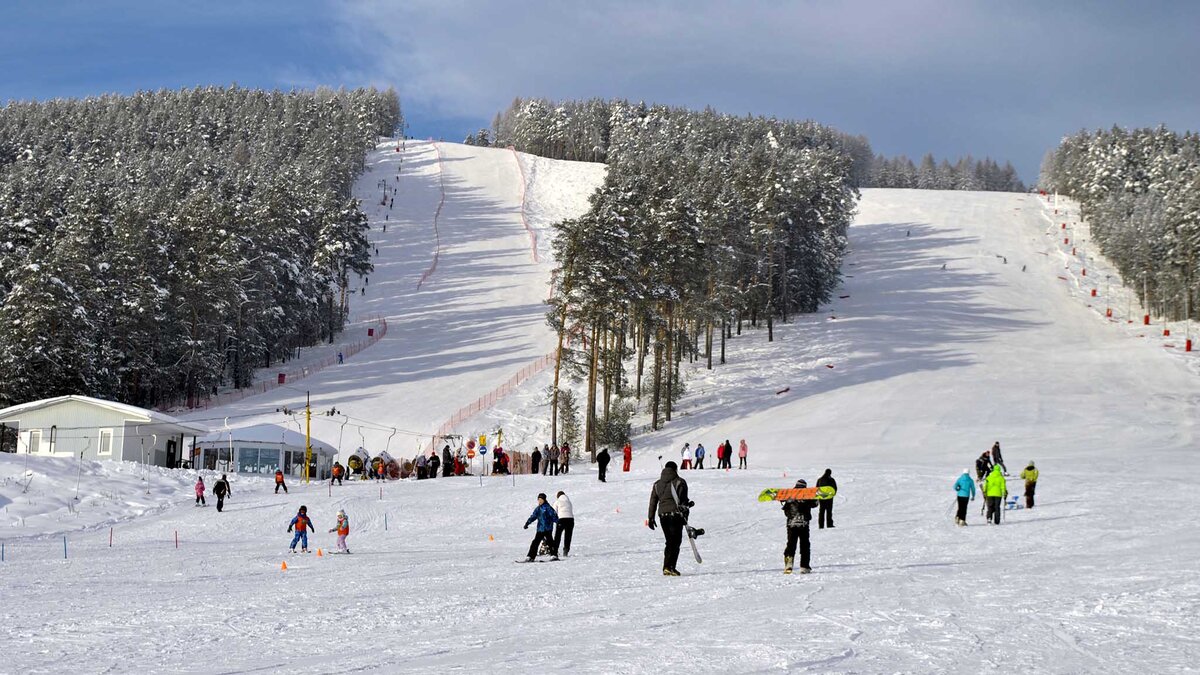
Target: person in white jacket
<point>566,524</point>
<point>686,455</point>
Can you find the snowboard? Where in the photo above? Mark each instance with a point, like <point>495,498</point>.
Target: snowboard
<point>692,533</point>
<point>526,560</point>
<point>784,494</point>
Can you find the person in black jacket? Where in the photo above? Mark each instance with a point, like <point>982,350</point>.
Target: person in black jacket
<point>799,513</point>
<point>825,512</point>
<point>447,461</point>
<point>669,501</point>
<point>221,490</point>
<point>431,465</point>
<point>602,460</point>
<point>535,459</point>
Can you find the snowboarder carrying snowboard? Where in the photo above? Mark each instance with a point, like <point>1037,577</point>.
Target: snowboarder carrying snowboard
<point>279,482</point>
<point>799,513</point>
<point>671,512</point>
<point>964,489</point>
<point>200,491</point>
<point>995,489</point>
<point>1030,476</point>
<point>342,529</point>
<point>302,525</point>
<point>545,516</point>
<point>221,490</point>
<point>825,510</point>
<point>566,524</point>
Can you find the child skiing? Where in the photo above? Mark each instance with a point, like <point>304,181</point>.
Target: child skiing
<point>200,491</point>
<point>279,481</point>
<point>342,529</point>
<point>302,525</point>
<point>799,513</point>
<point>545,516</point>
<point>964,488</point>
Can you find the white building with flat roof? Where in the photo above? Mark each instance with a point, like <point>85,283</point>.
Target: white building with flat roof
<point>262,448</point>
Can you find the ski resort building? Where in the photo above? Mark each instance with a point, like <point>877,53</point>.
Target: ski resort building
<point>68,426</point>
<point>260,449</point>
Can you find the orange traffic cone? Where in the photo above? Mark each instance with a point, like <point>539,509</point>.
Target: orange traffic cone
<point>491,538</point>
<point>283,566</point>
<point>319,554</point>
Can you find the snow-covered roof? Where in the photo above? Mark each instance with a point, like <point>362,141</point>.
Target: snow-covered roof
<point>266,433</point>
<point>132,412</point>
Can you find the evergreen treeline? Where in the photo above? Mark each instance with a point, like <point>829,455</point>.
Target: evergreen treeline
<point>155,246</point>
<point>704,221</point>
<point>583,131</point>
<point>965,174</point>
<point>1140,192</point>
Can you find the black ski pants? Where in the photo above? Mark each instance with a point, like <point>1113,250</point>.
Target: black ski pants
<point>552,467</point>
<point>699,462</point>
<point>220,501</point>
<point>962,508</point>
<point>200,498</point>
<point>994,504</point>
<point>672,528</point>
<point>825,513</point>
<point>800,535</point>
<point>536,465</point>
<point>537,541</point>
<point>742,465</point>
<point>1030,487</point>
<point>280,485</point>
<point>562,537</point>
<point>603,471</point>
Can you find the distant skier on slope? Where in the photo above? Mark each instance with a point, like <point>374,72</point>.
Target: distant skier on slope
<point>200,491</point>
<point>995,489</point>
<point>221,490</point>
<point>602,460</point>
<point>279,481</point>
<point>343,530</point>
<point>997,460</point>
<point>825,510</point>
<point>545,517</point>
<point>799,513</point>
<point>302,524</point>
<point>1030,476</point>
<point>964,489</point>
<point>669,502</point>
<point>336,473</point>
<point>628,456</point>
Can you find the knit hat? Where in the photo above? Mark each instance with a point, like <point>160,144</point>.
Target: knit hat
<point>303,509</point>
<point>671,465</point>
<point>966,471</point>
<point>801,483</point>
<point>542,496</point>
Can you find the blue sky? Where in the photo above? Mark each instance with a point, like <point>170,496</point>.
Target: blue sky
<point>1005,79</point>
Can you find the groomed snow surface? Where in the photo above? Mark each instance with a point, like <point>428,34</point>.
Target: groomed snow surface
<point>930,366</point>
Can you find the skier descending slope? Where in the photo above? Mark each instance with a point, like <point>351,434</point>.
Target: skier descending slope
<point>545,516</point>
<point>669,501</point>
<point>964,489</point>
<point>343,530</point>
<point>799,513</point>
<point>302,524</point>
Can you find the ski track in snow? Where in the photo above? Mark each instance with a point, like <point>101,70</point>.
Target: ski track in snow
<point>930,366</point>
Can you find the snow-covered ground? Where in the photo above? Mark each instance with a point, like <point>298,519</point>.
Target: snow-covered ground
<point>930,366</point>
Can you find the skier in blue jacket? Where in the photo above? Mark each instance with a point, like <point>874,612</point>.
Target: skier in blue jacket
<point>545,516</point>
<point>964,487</point>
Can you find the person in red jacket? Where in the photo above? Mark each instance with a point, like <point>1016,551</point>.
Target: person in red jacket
<point>302,525</point>
<point>628,452</point>
<point>279,481</point>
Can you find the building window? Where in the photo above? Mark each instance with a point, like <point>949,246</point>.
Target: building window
<point>257,460</point>
<point>35,442</point>
<point>105,442</point>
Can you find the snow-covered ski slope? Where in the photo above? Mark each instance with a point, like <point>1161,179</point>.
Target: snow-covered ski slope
<point>456,277</point>
<point>930,366</point>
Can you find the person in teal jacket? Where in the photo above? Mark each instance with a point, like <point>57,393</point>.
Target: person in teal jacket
<point>995,489</point>
<point>964,487</point>
<point>545,516</point>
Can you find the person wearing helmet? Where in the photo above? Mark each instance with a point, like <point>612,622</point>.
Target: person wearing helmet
<point>799,513</point>
<point>302,524</point>
<point>342,529</point>
<point>279,481</point>
<point>964,488</point>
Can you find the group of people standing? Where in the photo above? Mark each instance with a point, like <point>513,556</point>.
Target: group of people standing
<point>551,461</point>
<point>992,476</point>
<point>694,459</point>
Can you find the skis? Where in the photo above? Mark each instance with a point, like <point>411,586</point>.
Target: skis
<point>785,494</point>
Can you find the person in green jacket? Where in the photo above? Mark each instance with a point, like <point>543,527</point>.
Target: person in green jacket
<point>995,489</point>
<point>1030,476</point>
